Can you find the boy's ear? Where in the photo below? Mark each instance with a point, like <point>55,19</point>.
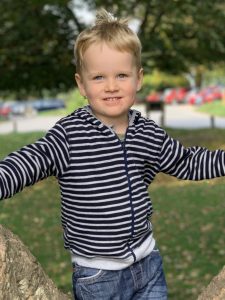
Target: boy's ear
<point>140,79</point>
<point>80,84</point>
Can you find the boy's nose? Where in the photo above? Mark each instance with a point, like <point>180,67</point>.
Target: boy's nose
<point>111,85</point>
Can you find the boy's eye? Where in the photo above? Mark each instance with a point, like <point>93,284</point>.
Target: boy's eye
<point>99,77</point>
<point>122,75</point>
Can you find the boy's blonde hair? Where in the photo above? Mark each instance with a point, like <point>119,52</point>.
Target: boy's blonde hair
<point>115,33</point>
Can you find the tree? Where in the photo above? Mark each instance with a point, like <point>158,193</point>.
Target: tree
<point>215,290</point>
<point>36,50</point>
<point>21,276</point>
<point>178,36</point>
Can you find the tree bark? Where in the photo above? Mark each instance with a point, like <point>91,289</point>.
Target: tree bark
<point>21,276</point>
<point>216,289</point>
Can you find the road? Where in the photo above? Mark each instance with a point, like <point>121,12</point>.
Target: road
<point>176,116</point>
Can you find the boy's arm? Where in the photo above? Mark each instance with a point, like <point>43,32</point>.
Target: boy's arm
<point>48,156</point>
<point>194,163</point>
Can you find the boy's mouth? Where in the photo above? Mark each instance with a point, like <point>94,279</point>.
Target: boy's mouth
<point>112,98</point>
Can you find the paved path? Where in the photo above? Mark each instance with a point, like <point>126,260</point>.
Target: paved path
<point>37,123</point>
<point>186,116</point>
<point>176,116</point>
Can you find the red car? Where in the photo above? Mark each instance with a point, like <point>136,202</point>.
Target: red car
<point>176,95</point>
<point>194,97</point>
<point>154,97</point>
<point>205,95</point>
<point>5,109</point>
<point>210,94</point>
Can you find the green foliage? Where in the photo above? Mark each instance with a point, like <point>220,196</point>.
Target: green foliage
<point>188,221</point>
<point>215,76</point>
<point>144,92</point>
<point>178,35</point>
<point>36,49</point>
<point>158,81</point>
<point>37,36</point>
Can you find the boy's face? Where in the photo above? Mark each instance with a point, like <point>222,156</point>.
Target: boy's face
<point>109,80</point>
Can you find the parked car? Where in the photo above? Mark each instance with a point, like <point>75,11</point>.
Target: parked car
<point>210,94</point>
<point>194,97</point>
<point>6,108</point>
<point>10,108</point>
<point>175,95</point>
<point>154,97</point>
<point>48,104</point>
<point>204,95</point>
<point>22,108</point>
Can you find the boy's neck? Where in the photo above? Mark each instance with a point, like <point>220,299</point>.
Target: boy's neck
<point>118,124</point>
<point>120,128</point>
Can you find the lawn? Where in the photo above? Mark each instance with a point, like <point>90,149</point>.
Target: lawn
<point>189,221</point>
<point>216,108</point>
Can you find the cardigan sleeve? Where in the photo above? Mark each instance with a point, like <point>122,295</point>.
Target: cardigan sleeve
<point>49,156</point>
<point>193,163</point>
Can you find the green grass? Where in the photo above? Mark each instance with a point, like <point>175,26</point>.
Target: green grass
<point>188,222</point>
<point>216,108</point>
<point>189,226</point>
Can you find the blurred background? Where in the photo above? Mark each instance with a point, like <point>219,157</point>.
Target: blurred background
<point>184,65</point>
<point>183,51</point>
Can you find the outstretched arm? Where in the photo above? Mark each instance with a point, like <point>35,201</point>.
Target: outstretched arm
<point>48,156</point>
<point>194,163</point>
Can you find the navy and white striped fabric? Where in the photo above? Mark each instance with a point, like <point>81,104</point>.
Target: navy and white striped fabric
<point>104,183</point>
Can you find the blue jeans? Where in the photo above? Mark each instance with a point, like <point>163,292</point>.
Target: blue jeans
<point>144,280</point>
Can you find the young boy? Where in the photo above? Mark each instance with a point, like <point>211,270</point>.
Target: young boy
<point>105,156</point>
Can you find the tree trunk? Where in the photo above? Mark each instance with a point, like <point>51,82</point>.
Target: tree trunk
<point>216,289</point>
<point>21,276</point>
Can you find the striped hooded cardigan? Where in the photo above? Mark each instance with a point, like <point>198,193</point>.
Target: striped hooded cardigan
<point>104,182</point>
